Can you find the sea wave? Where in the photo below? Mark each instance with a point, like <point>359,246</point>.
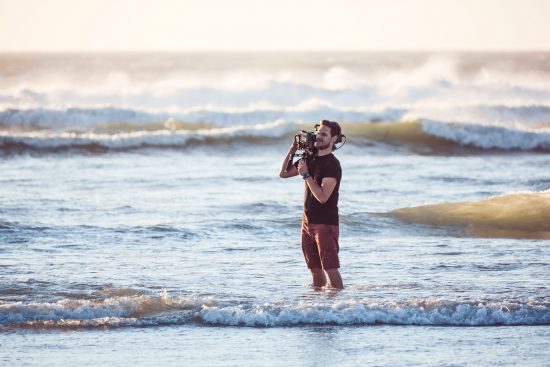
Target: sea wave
<point>239,79</point>
<point>50,141</point>
<point>423,137</point>
<point>513,215</point>
<point>109,118</point>
<point>428,136</point>
<point>153,310</point>
<point>511,116</point>
<point>128,119</point>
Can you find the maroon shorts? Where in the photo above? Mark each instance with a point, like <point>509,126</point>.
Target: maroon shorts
<point>320,245</point>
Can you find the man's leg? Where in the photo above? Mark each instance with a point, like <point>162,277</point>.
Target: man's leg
<point>327,240</point>
<point>335,279</point>
<point>311,255</point>
<point>319,279</point>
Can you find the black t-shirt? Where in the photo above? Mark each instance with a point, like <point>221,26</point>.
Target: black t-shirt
<point>314,211</point>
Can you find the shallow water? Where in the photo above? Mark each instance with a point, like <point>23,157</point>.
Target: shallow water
<point>308,346</point>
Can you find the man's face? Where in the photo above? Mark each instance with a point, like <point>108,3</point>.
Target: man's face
<point>323,139</point>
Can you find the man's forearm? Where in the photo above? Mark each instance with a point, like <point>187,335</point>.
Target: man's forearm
<point>323,191</point>
<point>316,190</point>
<point>283,173</point>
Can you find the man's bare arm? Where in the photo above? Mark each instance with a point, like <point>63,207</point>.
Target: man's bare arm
<point>293,171</point>
<point>322,192</point>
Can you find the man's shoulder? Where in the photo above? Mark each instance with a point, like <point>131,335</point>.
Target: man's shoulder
<point>328,157</point>
<point>331,166</point>
<point>328,161</point>
<point>333,160</point>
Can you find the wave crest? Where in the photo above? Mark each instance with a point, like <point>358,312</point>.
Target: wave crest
<point>422,136</point>
<point>146,310</point>
<point>427,136</point>
<point>181,136</point>
<point>517,215</point>
<point>85,119</point>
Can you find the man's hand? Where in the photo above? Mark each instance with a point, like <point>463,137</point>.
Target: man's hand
<point>302,167</point>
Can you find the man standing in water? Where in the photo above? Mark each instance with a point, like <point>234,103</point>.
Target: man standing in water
<point>320,224</point>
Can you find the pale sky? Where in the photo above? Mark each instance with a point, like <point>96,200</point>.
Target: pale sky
<point>201,25</point>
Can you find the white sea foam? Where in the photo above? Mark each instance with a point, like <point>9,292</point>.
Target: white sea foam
<point>488,137</point>
<point>86,118</point>
<point>526,117</point>
<point>135,139</point>
<point>172,134</point>
<point>486,101</point>
<point>158,310</point>
<point>161,83</point>
<point>75,118</point>
<point>523,117</point>
<point>425,312</point>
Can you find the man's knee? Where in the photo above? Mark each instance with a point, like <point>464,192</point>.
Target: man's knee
<point>317,271</point>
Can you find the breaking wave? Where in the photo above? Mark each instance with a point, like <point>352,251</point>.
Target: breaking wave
<point>144,310</point>
<point>515,215</point>
<point>85,119</point>
<point>181,136</point>
<point>515,116</point>
<point>427,136</point>
<point>106,129</point>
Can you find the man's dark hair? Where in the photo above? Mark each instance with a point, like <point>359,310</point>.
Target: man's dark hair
<point>335,130</point>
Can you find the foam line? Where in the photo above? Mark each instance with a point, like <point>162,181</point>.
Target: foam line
<point>147,310</point>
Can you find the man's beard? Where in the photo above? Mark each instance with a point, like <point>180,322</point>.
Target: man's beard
<point>320,146</point>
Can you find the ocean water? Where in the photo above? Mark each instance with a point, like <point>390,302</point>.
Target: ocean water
<point>142,219</point>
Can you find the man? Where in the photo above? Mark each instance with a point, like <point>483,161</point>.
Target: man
<point>320,224</point>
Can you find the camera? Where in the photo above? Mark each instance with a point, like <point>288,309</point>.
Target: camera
<point>305,141</point>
